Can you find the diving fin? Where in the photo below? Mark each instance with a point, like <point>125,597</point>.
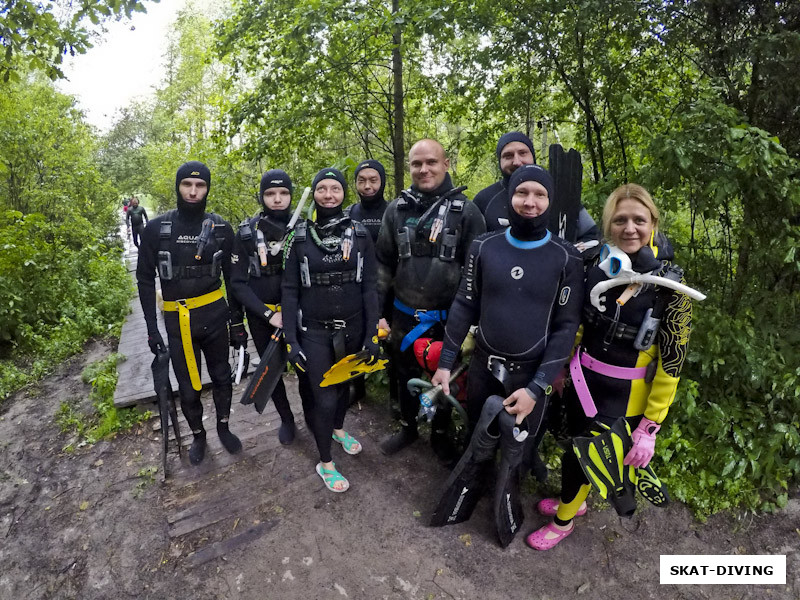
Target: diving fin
<point>267,374</point>
<point>350,367</point>
<point>650,486</point>
<point>508,513</point>
<point>601,457</point>
<point>463,488</point>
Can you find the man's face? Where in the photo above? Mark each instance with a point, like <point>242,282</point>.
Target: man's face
<point>513,156</point>
<point>428,165</point>
<point>193,189</point>
<point>135,202</point>
<point>277,198</point>
<point>329,193</point>
<point>530,199</point>
<point>368,182</point>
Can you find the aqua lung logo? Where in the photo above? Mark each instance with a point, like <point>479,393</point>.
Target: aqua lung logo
<point>187,239</point>
<point>331,173</point>
<point>276,181</point>
<point>563,298</point>
<point>196,173</point>
<point>517,272</point>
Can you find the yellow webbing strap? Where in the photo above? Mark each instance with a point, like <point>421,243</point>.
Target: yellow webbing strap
<point>183,307</point>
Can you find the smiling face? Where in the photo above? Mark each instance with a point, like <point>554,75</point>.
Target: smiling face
<point>530,199</point>
<point>428,165</point>
<point>513,156</point>
<point>193,189</point>
<point>277,198</point>
<point>368,182</point>
<point>329,193</point>
<point>631,226</point>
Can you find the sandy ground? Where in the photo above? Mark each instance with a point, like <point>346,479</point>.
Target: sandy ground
<point>98,523</point>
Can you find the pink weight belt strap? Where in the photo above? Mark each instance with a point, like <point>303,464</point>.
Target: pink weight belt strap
<point>597,366</point>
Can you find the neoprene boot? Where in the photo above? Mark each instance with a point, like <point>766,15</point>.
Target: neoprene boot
<point>443,447</point>
<point>402,439</point>
<point>229,441</point>
<point>464,487</point>
<point>286,432</point>
<point>197,451</point>
<point>508,513</point>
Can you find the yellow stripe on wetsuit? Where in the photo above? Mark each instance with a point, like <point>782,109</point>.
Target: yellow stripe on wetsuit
<point>183,307</point>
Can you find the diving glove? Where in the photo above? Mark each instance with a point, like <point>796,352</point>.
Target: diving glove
<point>156,342</point>
<point>644,444</point>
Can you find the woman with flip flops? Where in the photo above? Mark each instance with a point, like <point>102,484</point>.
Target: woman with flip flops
<point>330,310</point>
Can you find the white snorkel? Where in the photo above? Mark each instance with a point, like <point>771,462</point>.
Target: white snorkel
<point>617,265</point>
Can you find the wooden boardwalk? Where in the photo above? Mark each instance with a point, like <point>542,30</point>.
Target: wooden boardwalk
<point>135,380</point>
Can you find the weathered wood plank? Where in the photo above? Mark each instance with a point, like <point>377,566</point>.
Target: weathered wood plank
<point>218,549</point>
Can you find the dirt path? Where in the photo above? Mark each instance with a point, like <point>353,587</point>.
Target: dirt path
<point>97,524</point>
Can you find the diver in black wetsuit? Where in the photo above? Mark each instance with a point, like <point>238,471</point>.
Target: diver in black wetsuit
<point>257,271</point>
<point>329,311</point>
<point>136,218</point>
<point>424,275</point>
<point>190,248</point>
<point>515,149</point>
<point>370,178</point>
<point>523,287</point>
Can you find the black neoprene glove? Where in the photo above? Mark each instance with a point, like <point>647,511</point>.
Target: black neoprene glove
<point>238,335</point>
<point>156,342</point>
<point>296,356</point>
<point>371,345</point>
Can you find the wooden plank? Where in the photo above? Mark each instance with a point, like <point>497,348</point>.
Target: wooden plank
<point>218,549</point>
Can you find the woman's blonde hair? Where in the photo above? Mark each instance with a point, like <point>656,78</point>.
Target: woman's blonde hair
<point>631,191</point>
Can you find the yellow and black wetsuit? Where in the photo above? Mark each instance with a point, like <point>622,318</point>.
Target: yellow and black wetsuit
<point>609,337</point>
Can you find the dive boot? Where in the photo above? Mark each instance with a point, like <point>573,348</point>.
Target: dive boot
<point>508,513</point>
<point>286,432</point>
<point>197,451</point>
<point>463,488</point>
<point>229,441</point>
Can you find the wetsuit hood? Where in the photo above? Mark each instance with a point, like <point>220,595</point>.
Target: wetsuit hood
<point>327,214</point>
<point>533,228</point>
<point>505,140</point>
<point>272,179</point>
<point>377,198</point>
<point>193,168</point>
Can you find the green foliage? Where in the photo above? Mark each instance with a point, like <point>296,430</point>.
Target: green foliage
<point>37,35</point>
<point>58,289</point>
<point>106,420</point>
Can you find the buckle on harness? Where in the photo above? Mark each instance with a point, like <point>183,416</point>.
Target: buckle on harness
<point>338,323</point>
<point>417,312</point>
<point>500,359</point>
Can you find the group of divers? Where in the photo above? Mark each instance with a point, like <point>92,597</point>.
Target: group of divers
<point>506,315</point>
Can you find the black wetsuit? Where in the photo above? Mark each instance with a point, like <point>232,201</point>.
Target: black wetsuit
<point>339,309</point>
<point>191,279</point>
<point>257,288</point>
<point>423,275</point>
<point>526,299</point>
<point>493,203</point>
<point>611,341</point>
<point>136,217</point>
<point>369,212</point>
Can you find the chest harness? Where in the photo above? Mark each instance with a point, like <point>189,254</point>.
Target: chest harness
<point>168,271</point>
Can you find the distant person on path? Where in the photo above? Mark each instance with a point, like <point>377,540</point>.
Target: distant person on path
<point>257,265</point>
<point>190,248</point>
<point>421,250</point>
<point>329,311</point>
<point>631,354</point>
<point>136,218</point>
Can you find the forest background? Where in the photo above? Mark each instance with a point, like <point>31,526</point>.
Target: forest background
<point>697,100</point>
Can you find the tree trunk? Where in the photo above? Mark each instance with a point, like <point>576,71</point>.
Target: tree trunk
<point>398,150</point>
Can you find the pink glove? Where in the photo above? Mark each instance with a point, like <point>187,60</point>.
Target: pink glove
<point>644,443</point>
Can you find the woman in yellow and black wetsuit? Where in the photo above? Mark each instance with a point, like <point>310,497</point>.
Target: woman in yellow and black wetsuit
<point>650,376</point>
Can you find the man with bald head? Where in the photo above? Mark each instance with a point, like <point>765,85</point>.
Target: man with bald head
<point>421,250</point>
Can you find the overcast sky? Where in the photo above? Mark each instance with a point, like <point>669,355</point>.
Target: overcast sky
<point>126,63</point>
